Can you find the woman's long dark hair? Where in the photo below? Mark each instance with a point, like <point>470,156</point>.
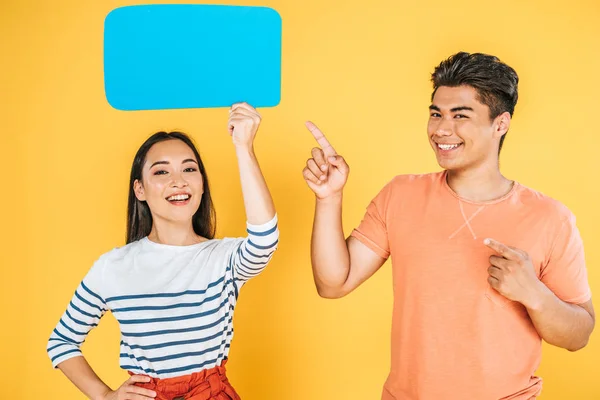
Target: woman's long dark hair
<point>139,218</point>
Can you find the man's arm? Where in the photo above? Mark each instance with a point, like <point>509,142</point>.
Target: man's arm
<point>559,323</point>
<point>339,265</point>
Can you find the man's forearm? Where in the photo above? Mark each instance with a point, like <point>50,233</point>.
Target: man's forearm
<point>559,323</point>
<point>330,258</point>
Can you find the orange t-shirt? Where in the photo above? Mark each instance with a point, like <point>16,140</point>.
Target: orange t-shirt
<point>453,336</point>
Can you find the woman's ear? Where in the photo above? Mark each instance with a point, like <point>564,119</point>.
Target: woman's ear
<point>138,189</point>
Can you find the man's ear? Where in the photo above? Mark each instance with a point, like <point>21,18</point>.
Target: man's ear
<point>502,123</point>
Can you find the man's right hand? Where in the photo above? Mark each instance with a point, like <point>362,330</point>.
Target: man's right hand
<point>326,172</point>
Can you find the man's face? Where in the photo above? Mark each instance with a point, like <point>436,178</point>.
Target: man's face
<point>460,130</point>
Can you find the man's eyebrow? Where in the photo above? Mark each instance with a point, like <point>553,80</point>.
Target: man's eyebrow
<point>433,107</point>
<point>461,108</point>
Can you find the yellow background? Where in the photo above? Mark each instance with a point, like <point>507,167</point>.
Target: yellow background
<point>360,70</point>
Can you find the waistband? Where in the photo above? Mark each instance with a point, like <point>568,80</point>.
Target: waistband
<point>207,384</point>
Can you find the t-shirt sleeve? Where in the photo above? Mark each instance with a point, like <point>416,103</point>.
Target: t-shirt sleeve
<point>565,272</point>
<point>251,255</point>
<point>82,314</point>
<point>373,229</point>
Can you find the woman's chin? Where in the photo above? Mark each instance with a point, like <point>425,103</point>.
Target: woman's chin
<point>178,217</point>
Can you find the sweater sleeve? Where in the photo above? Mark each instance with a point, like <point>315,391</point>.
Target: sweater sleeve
<point>82,314</point>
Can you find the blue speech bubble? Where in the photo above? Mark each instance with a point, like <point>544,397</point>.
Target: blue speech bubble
<point>191,56</point>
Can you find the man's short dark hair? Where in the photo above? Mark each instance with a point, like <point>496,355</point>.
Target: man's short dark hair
<point>495,82</point>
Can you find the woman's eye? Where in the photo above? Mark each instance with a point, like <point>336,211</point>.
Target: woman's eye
<point>160,172</point>
<point>190,169</point>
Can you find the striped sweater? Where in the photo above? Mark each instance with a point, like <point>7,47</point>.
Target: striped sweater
<point>174,304</point>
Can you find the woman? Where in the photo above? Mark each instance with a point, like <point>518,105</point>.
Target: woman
<point>173,287</point>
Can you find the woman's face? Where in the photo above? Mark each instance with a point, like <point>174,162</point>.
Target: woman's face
<point>171,182</point>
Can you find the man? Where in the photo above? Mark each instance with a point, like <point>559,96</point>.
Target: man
<point>483,267</point>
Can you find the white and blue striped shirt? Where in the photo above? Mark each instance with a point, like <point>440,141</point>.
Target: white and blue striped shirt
<point>174,304</point>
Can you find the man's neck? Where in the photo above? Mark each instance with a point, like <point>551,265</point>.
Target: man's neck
<point>479,185</point>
